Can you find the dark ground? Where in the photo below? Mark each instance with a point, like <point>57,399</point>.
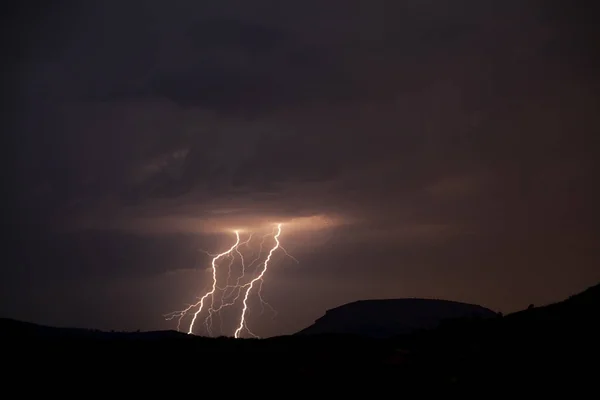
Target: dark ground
<point>538,349</point>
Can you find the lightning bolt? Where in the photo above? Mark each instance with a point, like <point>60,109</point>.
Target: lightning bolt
<point>230,289</point>
<point>242,324</point>
<point>200,304</point>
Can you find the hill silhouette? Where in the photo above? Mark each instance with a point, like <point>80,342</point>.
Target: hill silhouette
<point>391,317</point>
<point>539,348</point>
<point>14,329</point>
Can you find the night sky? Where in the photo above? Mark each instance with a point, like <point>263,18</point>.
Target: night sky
<point>412,148</point>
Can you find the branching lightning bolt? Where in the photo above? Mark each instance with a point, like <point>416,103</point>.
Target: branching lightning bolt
<point>232,290</point>
<point>200,304</point>
<point>253,281</point>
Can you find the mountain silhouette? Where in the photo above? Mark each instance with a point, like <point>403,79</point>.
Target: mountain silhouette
<point>536,347</point>
<point>391,317</point>
<point>468,347</point>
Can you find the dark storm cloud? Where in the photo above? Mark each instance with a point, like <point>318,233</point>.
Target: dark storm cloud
<point>232,65</point>
<point>118,51</point>
<point>222,62</point>
<point>413,91</point>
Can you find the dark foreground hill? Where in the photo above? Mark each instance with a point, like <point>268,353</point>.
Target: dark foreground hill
<point>545,347</point>
<point>11,329</point>
<point>540,348</point>
<point>392,317</point>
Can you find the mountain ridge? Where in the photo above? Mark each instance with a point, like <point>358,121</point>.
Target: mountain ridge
<point>390,317</point>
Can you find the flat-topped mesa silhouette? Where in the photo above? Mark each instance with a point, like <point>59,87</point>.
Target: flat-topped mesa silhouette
<point>391,317</point>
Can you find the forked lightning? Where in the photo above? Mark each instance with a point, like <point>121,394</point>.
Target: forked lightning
<point>233,289</point>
